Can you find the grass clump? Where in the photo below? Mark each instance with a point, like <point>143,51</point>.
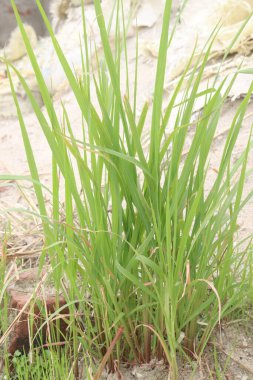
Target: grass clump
<point>47,365</point>
<point>147,249</point>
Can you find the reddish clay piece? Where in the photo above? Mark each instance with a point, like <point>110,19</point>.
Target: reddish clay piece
<point>19,336</point>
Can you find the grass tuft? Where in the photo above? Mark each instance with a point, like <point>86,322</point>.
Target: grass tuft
<point>147,249</point>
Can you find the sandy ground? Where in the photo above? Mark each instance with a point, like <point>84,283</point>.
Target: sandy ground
<point>198,20</point>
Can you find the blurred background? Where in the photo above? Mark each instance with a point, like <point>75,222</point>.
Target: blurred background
<point>30,15</point>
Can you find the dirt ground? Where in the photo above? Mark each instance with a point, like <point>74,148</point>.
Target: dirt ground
<point>233,354</point>
<point>234,343</point>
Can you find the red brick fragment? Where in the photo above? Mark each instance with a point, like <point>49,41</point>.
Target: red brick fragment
<point>19,336</point>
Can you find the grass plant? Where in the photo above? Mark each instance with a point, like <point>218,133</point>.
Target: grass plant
<point>147,250</point>
<point>47,365</point>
